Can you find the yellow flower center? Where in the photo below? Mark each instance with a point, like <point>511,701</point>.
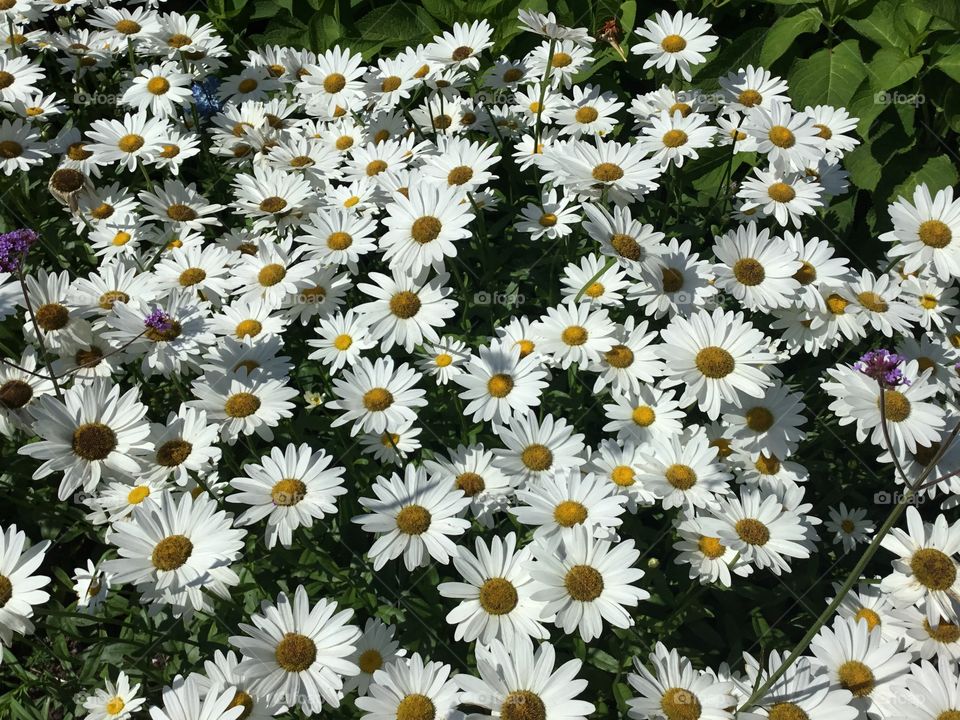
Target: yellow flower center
<point>443,360</point>
<point>767,464</point>
<point>499,385</point>
<point>896,406</point>
<point>241,405</point>
<point>674,138</point>
<point>334,83</point>
<point>52,316</point>
<point>715,362</point>
<point>935,234</point>
<point>749,272</point>
<point>459,175</point>
<point>522,705</point>
<point>273,204</point>
<point>138,494</point>
<point>626,246</point>
<point>413,520</point>
<point>711,547</point>
<point>405,304</point>
<point>498,596</point>
<point>295,652</point>
<point>644,415</point>
<point>749,98</point>
<point>759,419</point>
<point>934,569</point>
<point>781,192</point>
<point>248,328</point>
<point>115,705</point>
<point>470,483</point>
<point>806,274</point>
<point>574,335</point>
<point>377,399</point>
<point>869,617</point>
<point>781,137</point>
<point>856,677</point>
<point>682,477</point>
<point>93,441</point>
<point>288,492</point>
<point>342,342</point>
<point>14,394</point>
<point>619,356</point>
<point>569,513</point>
<point>537,457</point>
<point>416,707</point>
<point>171,552</point>
<point>131,143</point>
<point>836,304</point>
<point>680,704</point>
<point>173,453</point>
<point>390,83</point>
<point>158,85</point>
<point>607,172</point>
<point>127,27</point>
<point>752,532</point>
<point>946,632</point>
<point>586,114</point>
<point>787,711</point>
<point>370,661</point>
<point>584,583</point>
<point>561,60</point>
<point>673,44</point>
<point>623,475</point>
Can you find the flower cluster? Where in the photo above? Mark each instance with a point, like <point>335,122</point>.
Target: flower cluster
<point>280,306</point>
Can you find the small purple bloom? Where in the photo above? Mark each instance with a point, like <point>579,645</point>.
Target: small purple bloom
<point>158,320</point>
<point>13,248</point>
<point>882,365</point>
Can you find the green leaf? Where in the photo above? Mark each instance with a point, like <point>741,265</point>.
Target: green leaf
<point>743,51</point>
<point>949,10</point>
<point>828,77</point>
<point>937,173</point>
<point>785,31</point>
<point>397,24</point>
<point>890,68</point>
<point>880,25</point>
<point>950,64</point>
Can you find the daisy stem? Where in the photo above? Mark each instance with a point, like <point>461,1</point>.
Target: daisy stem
<point>146,176</point>
<point>596,276</point>
<point>36,329</point>
<point>854,576</point>
<point>543,92</point>
<point>132,54</point>
<point>11,35</point>
<point>724,179</point>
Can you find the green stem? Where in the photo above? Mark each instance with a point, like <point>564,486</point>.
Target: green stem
<point>36,329</point>
<point>596,276</point>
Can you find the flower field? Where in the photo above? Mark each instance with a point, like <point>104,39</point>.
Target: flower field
<point>479,359</point>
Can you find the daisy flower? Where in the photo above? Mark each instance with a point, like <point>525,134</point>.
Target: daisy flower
<point>60,321</point>
<point>680,42</point>
<point>789,139</point>
<point>20,149</point>
<point>274,199</point>
<point>671,687</point>
<point>833,124</point>
<point>818,267</point>
<point>94,431</point>
<point>20,77</point>
<point>91,586</point>
<point>444,360</point>
<point>787,197</point>
<point>159,88</point>
<point>471,470</point>
<point>21,383</point>
<point>336,236</point>
<point>406,308</point>
<point>925,640</point>
<point>537,448</point>
<point>671,138</point>
<point>592,581</point>
<point>393,445</point>
<point>620,235</point>
<point>20,588</point>
<point>709,559</point>
<point>606,289</point>
<point>758,527</point>
<point>644,415</point>
<point>224,672</point>
<point>756,269</point>
<point>861,662</point>
<point>681,470</point>
<point>630,362</point>
<point>717,357</point>
<point>551,218</point>
<point>495,596</point>
<point>375,649</point>
<point>179,204</point>
<point>206,269</point>
<point>342,339</point>
<point>136,138</point>
<point>376,395</point>
<point>243,403</point>
<point>850,527</point>
<point>460,163</point>
<point>621,170</point>
<point>804,688</point>
<point>185,444</point>
<point>620,464</point>
<point>423,226</point>
<point>173,546</point>
<point>677,282</point>
<point>561,502</point>
<point>332,84</point>
<point>575,334</point>
<point>912,420</point>
<point>752,87</point>
<point>769,424</point>
<point>296,652</point>
<point>938,689</point>
<point>568,58</point>
<point>411,688</point>
<point>461,47</point>
<point>291,488</point>
<point>589,112</point>
<point>936,301</point>
<point>115,701</point>
<point>414,517</point>
<point>516,682</point>
<point>924,231</point>
<point>926,572</point>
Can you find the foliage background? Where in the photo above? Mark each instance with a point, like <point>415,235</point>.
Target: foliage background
<point>895,64</point>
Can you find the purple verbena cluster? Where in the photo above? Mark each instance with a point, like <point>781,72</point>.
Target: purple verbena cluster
<point>13,248</point>
<point>882,365</point>
<point>158,320</point>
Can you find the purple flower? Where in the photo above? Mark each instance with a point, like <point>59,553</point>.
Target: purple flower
<point>13,248</point>
<point>158,320</point>
<point>882,365</point>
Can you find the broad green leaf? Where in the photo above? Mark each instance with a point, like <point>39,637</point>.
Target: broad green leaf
<point>396,24</point>
<point>938,172</point>
<point>785,31</point>
<point>950,64</point>
<point>829,77</point>
<point>879,25</point>
<point>949,10</point>
<point>890,68</point>
<point>743,51</point>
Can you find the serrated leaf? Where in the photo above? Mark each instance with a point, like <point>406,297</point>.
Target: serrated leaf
<point>828,77</point>
<point>937,173</point>
<point>879,25</point>
<point>948,10</point>
<point>785,31</point>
